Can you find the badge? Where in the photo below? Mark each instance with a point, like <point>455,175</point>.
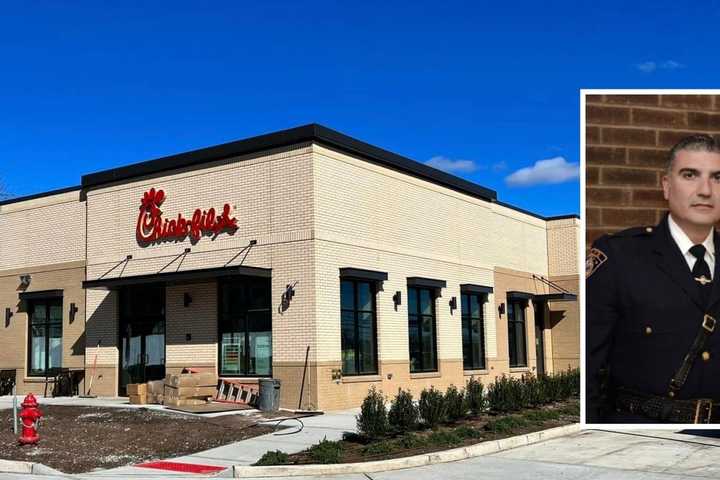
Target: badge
<point>595,258</point>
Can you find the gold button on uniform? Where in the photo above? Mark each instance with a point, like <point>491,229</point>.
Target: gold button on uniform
<point>671,394</point>
<point>648,330</point>
<point>706,356</point>
<point>648,229</point>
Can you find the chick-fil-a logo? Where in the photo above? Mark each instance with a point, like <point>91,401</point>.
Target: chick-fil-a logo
<point>151,227</point>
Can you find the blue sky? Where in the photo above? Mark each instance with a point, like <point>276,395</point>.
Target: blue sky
<point>86,87</point>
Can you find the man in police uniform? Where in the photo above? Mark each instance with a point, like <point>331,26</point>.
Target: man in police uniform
<point>653,294</point>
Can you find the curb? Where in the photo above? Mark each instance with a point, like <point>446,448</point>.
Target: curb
<point>27,468</point>
<point>462,453</point>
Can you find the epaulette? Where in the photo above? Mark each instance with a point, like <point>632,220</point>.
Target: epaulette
<point>634,232</point>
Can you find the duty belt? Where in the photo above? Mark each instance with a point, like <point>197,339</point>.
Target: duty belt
<point>665,410</point>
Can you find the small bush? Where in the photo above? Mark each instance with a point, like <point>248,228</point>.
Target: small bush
<point>444,437</point>
<point>455,401</point>
<point>468,432</point>
<point>412,440</point>
<point>326,451</point>
<point>539,416</point>
<point>372,421</point>
<point>506,424</point>
<point>505,395</point>
<point>433,409</point>
<point>379,448</point>
<point>273,458</point>
<point>474,396</point>
<point>404,413</point>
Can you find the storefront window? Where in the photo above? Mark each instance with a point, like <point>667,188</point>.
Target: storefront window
<point>45,352</point>
<point>245,327</point>
<point>473,331</point>
<point>516,334</point>
<point>421,328</point>
<point>358,337</point>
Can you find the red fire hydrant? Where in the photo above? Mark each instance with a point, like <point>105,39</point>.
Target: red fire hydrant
<point>30,416</point>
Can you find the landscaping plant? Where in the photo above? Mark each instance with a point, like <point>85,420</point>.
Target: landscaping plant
<point>455,401</point>
<point>474,396</point>
<point>404,413</point>
<point>372,422</point>
<point>273,458</point>
<point>432,406</point>
<point>326,451</point>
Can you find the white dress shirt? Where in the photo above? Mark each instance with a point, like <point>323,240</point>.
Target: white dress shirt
<point>684,243</point>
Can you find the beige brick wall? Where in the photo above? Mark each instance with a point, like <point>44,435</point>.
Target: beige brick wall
<point>564,237</point>
<point>46,230</point>
<point>564,320</point>
<point>199,320</point>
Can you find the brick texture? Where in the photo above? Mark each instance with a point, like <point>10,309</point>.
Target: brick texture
<point>627,141</point>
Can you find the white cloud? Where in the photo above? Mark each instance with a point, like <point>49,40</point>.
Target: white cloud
<point>649,67</point>
<point>499,166</point>
<point>549,171</point>
<point>449,165</point>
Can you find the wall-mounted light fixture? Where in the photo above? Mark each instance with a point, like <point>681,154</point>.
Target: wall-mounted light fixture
<point>453,304</point>
<point>501,309</point>
<point>397,299</point>
<point>25,281</point>
<point>73,311</point>
<point>287,295</point>
<point>187,299</point>
<point>8,314</point>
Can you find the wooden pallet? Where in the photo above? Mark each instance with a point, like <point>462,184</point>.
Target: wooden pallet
<point>236,392</point>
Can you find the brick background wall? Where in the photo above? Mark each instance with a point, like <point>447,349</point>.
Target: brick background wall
<point>627,140</point>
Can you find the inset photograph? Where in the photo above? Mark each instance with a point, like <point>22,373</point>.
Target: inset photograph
<point>652,353</point>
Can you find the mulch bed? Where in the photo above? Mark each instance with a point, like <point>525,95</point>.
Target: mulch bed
<point>353,449</point>
<point>81,439</point>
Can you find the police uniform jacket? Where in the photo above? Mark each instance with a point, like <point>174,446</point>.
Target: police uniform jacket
<point>644,310</point>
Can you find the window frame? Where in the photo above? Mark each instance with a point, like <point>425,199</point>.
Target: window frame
<point>46,324</point>
<point>433,296</point>
<point>223,320</point>
<point>373,295</point>
<point>512,321</point>
<point>482,298</point>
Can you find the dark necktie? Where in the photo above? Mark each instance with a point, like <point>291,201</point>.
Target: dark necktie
<point>701,271</point>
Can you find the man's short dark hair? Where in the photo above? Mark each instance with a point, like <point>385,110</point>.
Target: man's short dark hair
<point>695,143</point>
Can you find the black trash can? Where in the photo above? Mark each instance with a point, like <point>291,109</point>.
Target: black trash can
<point>269,398</point>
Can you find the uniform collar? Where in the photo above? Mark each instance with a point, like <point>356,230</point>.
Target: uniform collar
<point>684,243</point>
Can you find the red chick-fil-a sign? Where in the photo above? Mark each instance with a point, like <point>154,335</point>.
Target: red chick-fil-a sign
<point>151,227</point>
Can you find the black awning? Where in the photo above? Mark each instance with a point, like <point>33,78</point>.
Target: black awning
<point>363,274</point>
<point>189,276</point>
<point>426,282</point>
<point>557,296</point>
<point>520,296</point>
<point>41,294</point>
<point>470,288</point>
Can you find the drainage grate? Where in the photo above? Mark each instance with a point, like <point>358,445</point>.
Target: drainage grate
<point>181,467</point>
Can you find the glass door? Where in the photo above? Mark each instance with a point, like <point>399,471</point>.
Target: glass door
<point>539,344</point>
<point>142,335</point>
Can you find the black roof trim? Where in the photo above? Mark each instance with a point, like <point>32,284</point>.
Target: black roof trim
<point>306,133</point>
<point>188,276</point>
<point>563,217</point>
<point>471,288</point>
<point>520,296</point>
<point>363,274</point>
<point>40,294</point>
<point>40,195</point>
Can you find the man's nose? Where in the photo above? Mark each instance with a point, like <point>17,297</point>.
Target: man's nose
<point>705,187</point>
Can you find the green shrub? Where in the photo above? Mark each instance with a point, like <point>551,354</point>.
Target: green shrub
<point>326,451</point>
<point>404,413</point>
<point>506,424</point>
<point>379,448</point>
<point>455,401</point>
<point>444,438</point>
<point>372,421</point>
<point>412,440</point>
<point>468,432</point>
<point>273,458</point>
<point>474,396</point>
<point>505,395</point>
<point>433,409</point>
<point>539,416</point>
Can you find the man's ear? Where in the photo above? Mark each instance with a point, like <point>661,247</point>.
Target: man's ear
<point>666,186</point>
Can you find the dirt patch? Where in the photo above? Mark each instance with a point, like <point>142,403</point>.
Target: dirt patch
<point>82,439</point>
<point>469,431</point>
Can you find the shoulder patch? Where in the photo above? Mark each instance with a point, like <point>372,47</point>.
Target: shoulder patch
<point>595,258</point>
